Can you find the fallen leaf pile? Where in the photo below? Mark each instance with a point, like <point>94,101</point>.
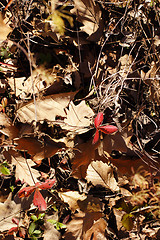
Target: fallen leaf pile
<point>79,120</point>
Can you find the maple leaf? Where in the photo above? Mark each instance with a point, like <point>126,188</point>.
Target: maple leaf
<point>38,199</point>
<point>107,129</point>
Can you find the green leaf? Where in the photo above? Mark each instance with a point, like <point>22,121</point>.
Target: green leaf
<point>57,225</point>
<point>32,228</point>
<point>12,188</point>
<point>34,218</point>
<point>37,232</point>
<point>4,170</point>
<point>127,221</point>
<point>41,215</point>
<point>52,221</point>
<point>60,226</point>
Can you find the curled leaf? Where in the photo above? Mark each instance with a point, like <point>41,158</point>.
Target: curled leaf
<point>98,120</point>
<point>108,129</point>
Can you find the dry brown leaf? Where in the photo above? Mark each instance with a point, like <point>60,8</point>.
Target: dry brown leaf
<point>29,144</point>
<point>22,172</point>
<point>126,164</point>
<point>89,14</point>
<point>99,173</point>
<point>152,81</point>
<point>7,128</point>
<point>38,150</point>
<point>118,141</point>
<point>126,63</point>
<point>84,154</point>
<point>97,231</point>
<point>90,204</point>
<point>75,227</point>
<point>50,148</point>
<point>4,29</point>
<point>71,197</point>
<point>50,232</point>
<point>80,224</point>
<point>45,109</point>
<point>42,79</point>
<point>8,210</point>
<point>79,117</point>
<point>13,208</point>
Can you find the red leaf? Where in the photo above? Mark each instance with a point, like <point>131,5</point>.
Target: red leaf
<point>22,232</point>
<point>108,129</point>
<point>25,192</point>
<point>15,220</point>
<point>47,184</point>
<point>12,230</point>
<point>98,120</point>
<point>96,137</point>
<point>39,201</point>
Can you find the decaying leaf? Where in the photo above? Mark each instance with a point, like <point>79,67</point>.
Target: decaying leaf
<point>127,221</point>
<point>90,204</point>
<point>22,171</point>
<point>97,231</point>
<point>37,149</point>
<point>4,29</point>
<point>45,109</point>
<point>84,154</point>
<point>71,197</point>
<point>80,224</point>
<point>78,117</point>
<point>8,209</point>
<point>50,232</point>
<point>99,173</point>
<point>42,79</point>
<point>118,141</point>
<point>7,128</point>
<point>75,227</point>
<point>89,14</point>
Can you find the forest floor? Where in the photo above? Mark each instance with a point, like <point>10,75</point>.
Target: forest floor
<point>79,119</point>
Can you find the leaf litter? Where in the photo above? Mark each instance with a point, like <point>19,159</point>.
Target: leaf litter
<point>79,121</point>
